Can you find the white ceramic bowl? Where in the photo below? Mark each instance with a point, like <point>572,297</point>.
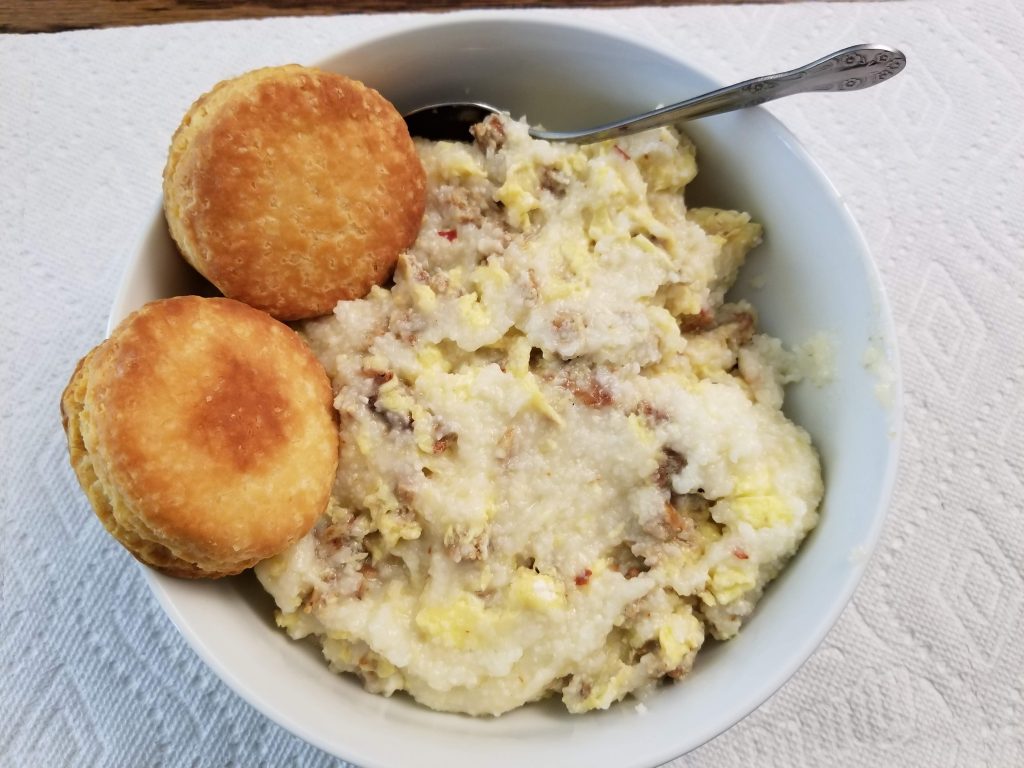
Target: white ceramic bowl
<point>819,277</point>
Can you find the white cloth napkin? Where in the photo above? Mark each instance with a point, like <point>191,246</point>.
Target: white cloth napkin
<point>926,666</point>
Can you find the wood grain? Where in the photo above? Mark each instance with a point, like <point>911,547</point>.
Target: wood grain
<point>61,15</point>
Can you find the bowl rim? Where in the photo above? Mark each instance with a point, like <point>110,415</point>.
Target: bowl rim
<point>885,332</point>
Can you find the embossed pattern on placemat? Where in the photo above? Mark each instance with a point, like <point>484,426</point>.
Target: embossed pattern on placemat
<point>925,666</point>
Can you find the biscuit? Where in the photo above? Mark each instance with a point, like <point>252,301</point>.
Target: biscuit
<point>291,188</point>
<point>204,435</point>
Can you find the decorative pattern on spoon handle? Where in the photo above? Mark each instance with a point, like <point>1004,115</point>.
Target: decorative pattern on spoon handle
<point>851,69</point>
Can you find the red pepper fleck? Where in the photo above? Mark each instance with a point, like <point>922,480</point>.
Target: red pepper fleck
<point>621,151</point>
<point>444,442</point>
<point>448,234</point>
<point>740,554</point>
<point>584,578</point>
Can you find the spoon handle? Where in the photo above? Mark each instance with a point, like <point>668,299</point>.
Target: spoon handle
<point>851,69</point>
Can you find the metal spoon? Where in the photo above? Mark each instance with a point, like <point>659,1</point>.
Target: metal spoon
<point>851,69</point>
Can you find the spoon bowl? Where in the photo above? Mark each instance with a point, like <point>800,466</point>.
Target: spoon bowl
<point>447,121</point>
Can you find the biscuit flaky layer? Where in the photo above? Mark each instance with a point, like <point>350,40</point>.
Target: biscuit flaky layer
<point>291,188</point>
<point>204,435</point>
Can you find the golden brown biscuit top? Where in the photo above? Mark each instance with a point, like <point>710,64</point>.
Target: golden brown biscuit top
<point>209,417</point>
<point>240,418</point>
<point>291,188</point>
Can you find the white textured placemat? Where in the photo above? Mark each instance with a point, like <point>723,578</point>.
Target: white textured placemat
<point>926,666</point>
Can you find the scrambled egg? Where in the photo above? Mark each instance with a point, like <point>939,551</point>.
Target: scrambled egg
<point>564,462</point>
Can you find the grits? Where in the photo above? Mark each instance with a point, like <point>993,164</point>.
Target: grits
<point>563,460</point>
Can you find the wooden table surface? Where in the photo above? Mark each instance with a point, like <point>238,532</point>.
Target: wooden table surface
<point>59,15</point>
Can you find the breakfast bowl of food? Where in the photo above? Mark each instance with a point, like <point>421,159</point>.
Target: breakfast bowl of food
<point>525,450</point>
